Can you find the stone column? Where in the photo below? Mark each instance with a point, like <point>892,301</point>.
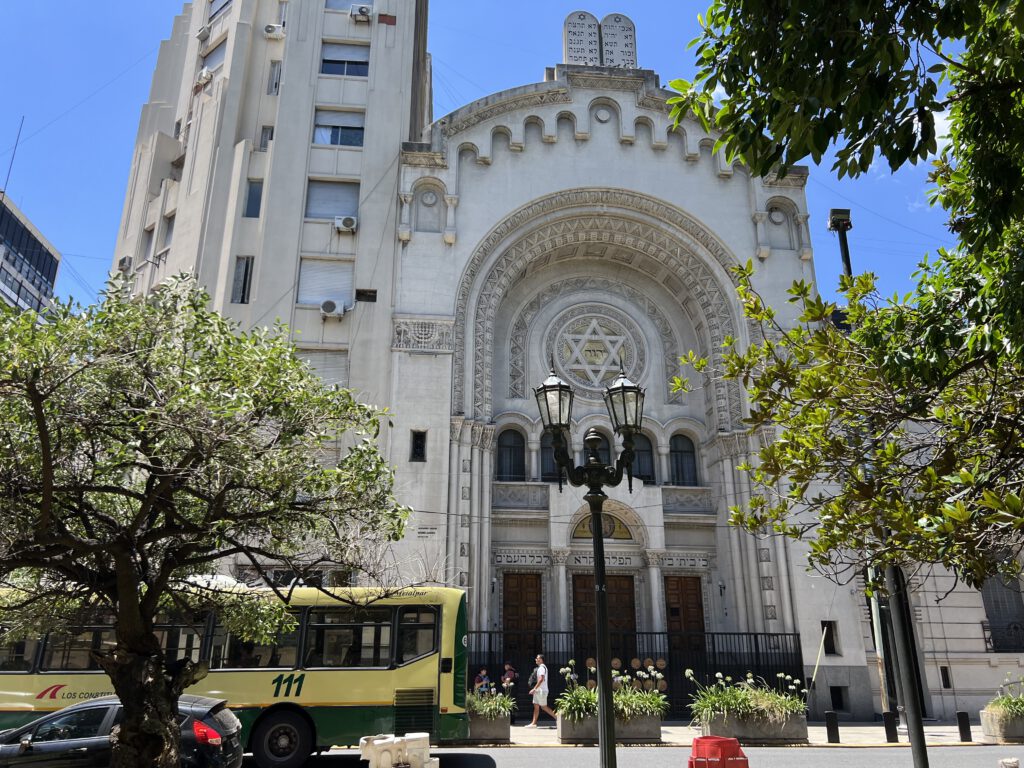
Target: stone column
<point>452,202</point>
<point>803,235</point>
<point>477,621</point>
<point>664,465</point>
<point>763,249</point>
<point>559,557</point>
<point>405,217</point>
<point>452,519</point>
<point>484,561</point>
<point>533,459</point>
<point>659,622</point>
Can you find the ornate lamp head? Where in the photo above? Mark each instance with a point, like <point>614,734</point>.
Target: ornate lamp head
<point>554,401</point>
<point>625,403</point>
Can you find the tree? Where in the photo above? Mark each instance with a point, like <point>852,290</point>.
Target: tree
<point>146,440</point>
<point>902,440</point>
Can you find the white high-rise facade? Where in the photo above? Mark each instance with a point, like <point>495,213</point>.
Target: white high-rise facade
<point>287,156</point>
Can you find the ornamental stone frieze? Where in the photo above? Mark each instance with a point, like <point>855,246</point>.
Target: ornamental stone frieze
<point>423,335</point>
<point>520,496</point>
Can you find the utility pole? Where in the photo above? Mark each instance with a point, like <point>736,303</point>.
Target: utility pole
<point>900,616</point>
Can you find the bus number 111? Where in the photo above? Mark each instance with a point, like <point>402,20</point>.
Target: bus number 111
<point>286,682</point>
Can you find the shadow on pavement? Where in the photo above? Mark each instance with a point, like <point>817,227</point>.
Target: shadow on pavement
<point>461,760</point>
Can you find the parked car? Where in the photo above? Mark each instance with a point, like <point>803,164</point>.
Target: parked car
<point>79,736</point>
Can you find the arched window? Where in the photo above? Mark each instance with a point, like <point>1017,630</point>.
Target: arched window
<point>683,459</point>
<point>548,468</point>
<point>604,450</point>
<point>643,459</point>
<point>511,456</point>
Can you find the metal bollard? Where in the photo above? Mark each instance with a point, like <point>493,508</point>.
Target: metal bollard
<point>890,722</point>
<point>963,722</point>
<point>832,726</point>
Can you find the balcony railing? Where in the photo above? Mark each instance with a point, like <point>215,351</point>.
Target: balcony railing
<point>999,638</point>
<point>731,653</point>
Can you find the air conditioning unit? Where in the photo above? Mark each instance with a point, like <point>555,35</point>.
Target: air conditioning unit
<point>361,13</point>
<point>204,76</point>
<point>203,34</point>
<point>274,31</point>
<point>124,264</point>
<point>331,308</point>
<point>345,223</point>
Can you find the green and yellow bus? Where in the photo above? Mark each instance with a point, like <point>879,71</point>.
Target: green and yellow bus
<point>357,664</point>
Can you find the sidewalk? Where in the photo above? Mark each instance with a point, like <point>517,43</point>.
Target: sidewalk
<point>677,734</point>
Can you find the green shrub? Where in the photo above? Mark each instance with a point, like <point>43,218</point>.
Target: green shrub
<point>490,706</point>
<point>749,699</point>
<point>628,702</point>
<point>1010,701</point>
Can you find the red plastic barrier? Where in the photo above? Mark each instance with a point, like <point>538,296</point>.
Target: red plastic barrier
<point>717,752</point>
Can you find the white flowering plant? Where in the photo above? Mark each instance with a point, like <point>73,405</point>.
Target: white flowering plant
<point>752,698</point>
<point>580,701</point>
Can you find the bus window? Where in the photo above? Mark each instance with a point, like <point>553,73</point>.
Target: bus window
<point>230,652</point>
<point>181,641</point>
<point>349,637</point>
<point>17,656</point>
<point>74,652</point>
<point>417,633</point>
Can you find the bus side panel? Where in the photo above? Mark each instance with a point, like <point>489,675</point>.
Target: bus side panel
<point>461,654</point>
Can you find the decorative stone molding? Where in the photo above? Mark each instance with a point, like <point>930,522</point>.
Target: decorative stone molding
<point>456,428</point>
<point>560,556</point>
<point>764,555</point>
<point>693,561</point>
<point>606,83</point>
<point>767,583</point>
<point>795,178</point>
<point>471,115</point>
<point>520,557</point>
<point>423,335</point>
<point>487,438</point>
<point>770,612</point>
<point>679,243</point>
<point>653,558</point>
<point>681,499</point>
<point>424,159</point>
<point>520,496</point>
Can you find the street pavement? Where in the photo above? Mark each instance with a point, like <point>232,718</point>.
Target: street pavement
<point>863,744</point>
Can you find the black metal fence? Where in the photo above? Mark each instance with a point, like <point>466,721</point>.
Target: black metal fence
<point>706,653</point>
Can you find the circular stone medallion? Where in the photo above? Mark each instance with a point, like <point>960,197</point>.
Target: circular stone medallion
<point>588,342</point>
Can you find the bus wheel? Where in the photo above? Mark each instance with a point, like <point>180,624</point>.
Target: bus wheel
<point>282,740</point>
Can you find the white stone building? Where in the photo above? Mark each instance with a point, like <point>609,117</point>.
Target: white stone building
<point>287,156</point>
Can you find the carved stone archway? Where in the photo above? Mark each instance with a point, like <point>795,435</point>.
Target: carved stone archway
<point>655,238</point>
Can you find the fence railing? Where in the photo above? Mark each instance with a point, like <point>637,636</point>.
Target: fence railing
<point>706,653</point>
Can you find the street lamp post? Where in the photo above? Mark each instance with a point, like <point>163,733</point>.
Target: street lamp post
<point>625,403</point>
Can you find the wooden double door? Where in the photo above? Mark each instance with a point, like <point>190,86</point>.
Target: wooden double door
<point>622,600</point>
<point>684,613</point>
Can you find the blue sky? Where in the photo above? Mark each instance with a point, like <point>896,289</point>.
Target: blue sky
<point>81,87</point>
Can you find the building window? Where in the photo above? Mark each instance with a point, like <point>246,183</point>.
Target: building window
<point>945,677</point>
<point>418,452</point>
<point>217,7</point>
<point>146,246</point>
<point>344,129</point>
<point>325,279</point>
<point>215,58</point>
<point>1004,608</point>
<point>253,199</point>
<point>829,638</point>
<point>511,458</point>
<point>266,136</point>
<point>282,12</point>
<point>331,365</point>
<point>274,79</point>
<point>345,59</point>
<point>643,459</point>
<point>168,232</point>
<point>548,468</point>
<point>837,694</point>
<point>327,199</point>
<point>683,460</point>
<point>243,280</point>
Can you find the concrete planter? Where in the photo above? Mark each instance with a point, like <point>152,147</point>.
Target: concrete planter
<point>793,730</point>
<point>645,730</point>
<point>1002,729</point>
<point>486,731</point>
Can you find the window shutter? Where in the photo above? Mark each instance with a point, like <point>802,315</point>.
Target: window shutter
<point>346,52</point>
<point>331,366</point>
<point>320,280</point>
<point>340,119</point>
<point>327,199</point>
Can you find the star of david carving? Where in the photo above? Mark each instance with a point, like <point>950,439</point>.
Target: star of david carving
<point>594,354</point>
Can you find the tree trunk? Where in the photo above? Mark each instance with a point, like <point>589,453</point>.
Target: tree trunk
<point>149,734</point>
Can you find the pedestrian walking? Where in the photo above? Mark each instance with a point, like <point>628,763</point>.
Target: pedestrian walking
<point>540,691</point>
